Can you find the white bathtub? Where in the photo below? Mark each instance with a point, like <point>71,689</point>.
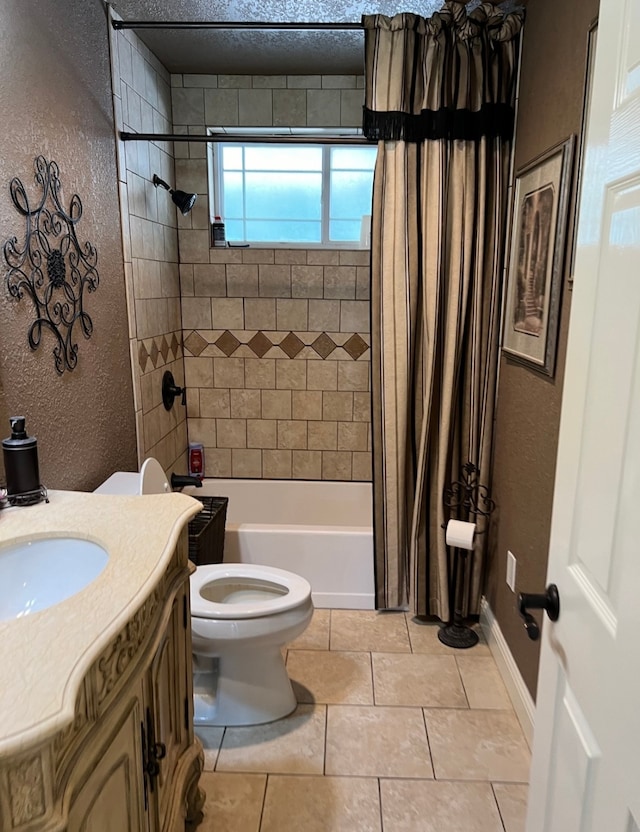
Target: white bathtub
<point>320,530</point>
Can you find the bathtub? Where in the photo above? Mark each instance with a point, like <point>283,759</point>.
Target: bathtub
<point>320,530</point>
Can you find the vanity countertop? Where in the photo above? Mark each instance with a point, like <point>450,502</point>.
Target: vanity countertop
<point>44,656</point>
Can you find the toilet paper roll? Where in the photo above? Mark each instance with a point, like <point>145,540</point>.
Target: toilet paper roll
<point>460,534</point>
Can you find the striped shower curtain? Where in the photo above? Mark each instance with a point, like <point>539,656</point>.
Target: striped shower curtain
<point>439,99</point>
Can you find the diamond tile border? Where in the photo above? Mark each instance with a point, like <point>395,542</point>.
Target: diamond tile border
<point>163,349</point>
<point>290,345</point>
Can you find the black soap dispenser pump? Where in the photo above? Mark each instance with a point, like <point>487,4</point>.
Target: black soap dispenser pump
<point>21,460</point>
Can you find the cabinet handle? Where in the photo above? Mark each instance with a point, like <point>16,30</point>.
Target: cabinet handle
<point>159,750</point>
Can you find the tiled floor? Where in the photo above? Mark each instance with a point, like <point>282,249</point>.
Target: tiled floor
<point>394,733</point>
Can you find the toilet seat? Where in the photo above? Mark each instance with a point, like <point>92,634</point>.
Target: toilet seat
<point>297,591</point>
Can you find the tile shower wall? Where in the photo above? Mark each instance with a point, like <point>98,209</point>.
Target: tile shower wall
<point>142,103</point>
<point>277,345</point>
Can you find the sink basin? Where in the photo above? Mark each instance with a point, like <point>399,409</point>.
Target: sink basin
<point>36,574</point>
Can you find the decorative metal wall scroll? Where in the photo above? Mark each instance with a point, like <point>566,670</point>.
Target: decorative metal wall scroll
<point>50,266</point>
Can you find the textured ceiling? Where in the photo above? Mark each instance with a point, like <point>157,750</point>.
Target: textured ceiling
<point>219,51</point>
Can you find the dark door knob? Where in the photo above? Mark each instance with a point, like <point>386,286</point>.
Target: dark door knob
<point>550,602</point>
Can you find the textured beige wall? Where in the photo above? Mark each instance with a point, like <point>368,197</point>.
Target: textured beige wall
<point>142,102</point>
<point>277,345</point>
<point>55,98</point>
<point>528,414</point>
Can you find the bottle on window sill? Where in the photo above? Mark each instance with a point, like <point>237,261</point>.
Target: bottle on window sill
<point>218,236</point>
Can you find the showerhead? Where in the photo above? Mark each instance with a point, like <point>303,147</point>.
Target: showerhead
<point>182,200</point>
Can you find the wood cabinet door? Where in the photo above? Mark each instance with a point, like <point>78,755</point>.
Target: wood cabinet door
<point>168,691</point>
<point>112,798</point>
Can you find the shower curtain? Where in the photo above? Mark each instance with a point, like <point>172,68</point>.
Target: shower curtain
<point>439,99</point>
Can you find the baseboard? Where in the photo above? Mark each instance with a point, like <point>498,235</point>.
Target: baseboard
<point>522,700</point>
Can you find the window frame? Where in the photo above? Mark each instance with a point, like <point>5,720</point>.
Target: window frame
<point>324,138</point>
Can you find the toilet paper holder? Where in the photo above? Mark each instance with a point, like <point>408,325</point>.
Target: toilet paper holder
<point>465,498</point>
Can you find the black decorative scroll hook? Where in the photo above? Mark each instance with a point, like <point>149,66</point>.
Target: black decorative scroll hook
<point>50,266</point>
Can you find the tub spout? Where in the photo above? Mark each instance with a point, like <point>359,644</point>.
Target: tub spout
<point>179,481</point>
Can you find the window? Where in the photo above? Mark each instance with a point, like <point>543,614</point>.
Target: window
<point>296,194</point>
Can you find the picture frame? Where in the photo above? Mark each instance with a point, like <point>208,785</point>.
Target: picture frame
<point>541,193</point>
<point>592,38</point>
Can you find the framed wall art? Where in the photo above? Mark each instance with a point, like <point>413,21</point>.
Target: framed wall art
<point>536,257</point>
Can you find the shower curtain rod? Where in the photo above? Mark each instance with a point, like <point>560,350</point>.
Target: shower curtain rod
<point>248,138</point>
<point>228,24</point>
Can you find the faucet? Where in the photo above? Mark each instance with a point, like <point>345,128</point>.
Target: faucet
<point>180,481</point>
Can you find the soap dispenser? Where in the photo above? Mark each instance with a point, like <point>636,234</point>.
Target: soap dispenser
<point>21,463</point>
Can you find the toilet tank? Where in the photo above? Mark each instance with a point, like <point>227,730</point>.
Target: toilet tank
<point>151,479</point>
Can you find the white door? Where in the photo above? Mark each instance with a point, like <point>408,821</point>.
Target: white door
<point>586,763</point>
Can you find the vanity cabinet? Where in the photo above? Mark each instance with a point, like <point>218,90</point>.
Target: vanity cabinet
<point>129,761</point>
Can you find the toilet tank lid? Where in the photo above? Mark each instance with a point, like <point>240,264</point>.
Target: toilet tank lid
<point>122,482</point>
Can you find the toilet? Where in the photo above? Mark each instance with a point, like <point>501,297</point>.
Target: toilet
<point>242,615</point>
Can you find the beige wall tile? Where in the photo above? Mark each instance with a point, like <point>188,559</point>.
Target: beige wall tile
<point>275,281</point>
<point>246,463</point>
<point>340,282</point>
<point>354,257</point>
<point>268,82</point>
<point>362,407</point>
<point>228,372</point>
<point>255,108</point>
<point>322,257</point>
<point>322,375</point>
<point>196,314</point>
<point>363,283</point>
<point>198,372</point>
<point>187,106</point>
<point>276,404</point>
<point>217,462</point>
<point>246,404</point>
<point>324,315</point>
<point>354,316</point>
<point>289,108</point>
<point>338,82</point>
<point>214,403</point>
<point>336,465</point>
<point>234,81</point>
<point>306,82</point>
<point>352,436</point>
<point>337,406</point>
<point>307,465</point>
<point>291,256</point>
<point>194,246</point>
<point>225,255</point>
<point>209,280</point>
<point>221,107</point>
<point>353,375</point>
<point>322,436</point>
<point>307,404</point>
<point>292,434</point>
<point>361,466</point>
<point>258,255</point>
<point>186,279</point>
<point>191,175</point>
<point>203,430</point>
<point>291,315</point>
<point>242,281</point>
<point>232,433</point>
<point>276,464</point>
<point>323,107</point>
<point>227,313</point>
<point>260,373</point>
<point>351,102</point>
<point>262,433</point>
<point>210,81</point>
<point>260,313</point>
<point>307,281</point>
<point>193,403</point>
<point>291,374</point>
